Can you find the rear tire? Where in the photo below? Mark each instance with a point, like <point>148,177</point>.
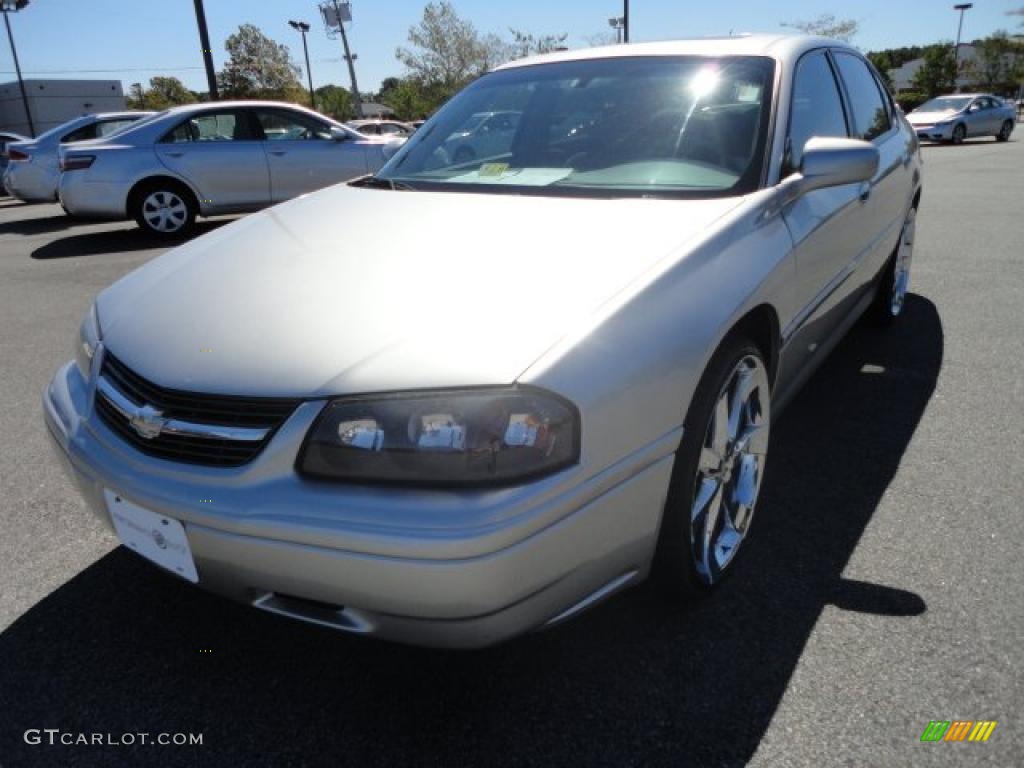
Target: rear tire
<point>1005,131</point>
<point>163,208</point>
<point>717,474</point>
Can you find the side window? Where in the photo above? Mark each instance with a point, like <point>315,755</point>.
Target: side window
<point>279,125</point>
<point>390,129</point>
<point>209,127</point>
<point>870,115</point>
<point>111,126</point>
<point>84,133</point>
<point>817,108</point>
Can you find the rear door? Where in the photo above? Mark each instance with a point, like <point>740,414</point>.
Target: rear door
<point>302,154</point>
<point>885,197</point>
<point>218,153</point>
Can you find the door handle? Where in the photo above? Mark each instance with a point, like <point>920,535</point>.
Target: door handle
<point>175,154</point>
<point>865,191</point>
<point>278,152</point>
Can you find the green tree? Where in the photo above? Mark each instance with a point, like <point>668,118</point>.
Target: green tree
<point>167,92</point>
<point>334,101</point>
<point>937,73</point>
<point>998,62</point>
<point>163,92</point>
<point>136,97</point>
<point>524,44</point>
<point>883,63</point>
<point>258,67</point>
<point>445,51</point>
<point>827,25</point>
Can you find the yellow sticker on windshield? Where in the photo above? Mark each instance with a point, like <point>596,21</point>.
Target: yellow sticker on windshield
<point>493,169</point>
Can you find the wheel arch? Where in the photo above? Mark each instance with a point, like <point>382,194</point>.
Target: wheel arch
<point>761,326</point>
<point>155,178</point>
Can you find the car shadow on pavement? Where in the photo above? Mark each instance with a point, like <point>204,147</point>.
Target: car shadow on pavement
<point>121,648</point>
<point>114,241</point>
<point>41,226</point>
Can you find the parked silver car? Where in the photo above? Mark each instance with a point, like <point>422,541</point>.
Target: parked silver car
<point>962,116</point>
<point>207,159</point>
<point>450,404</point>
<point>33,166</point>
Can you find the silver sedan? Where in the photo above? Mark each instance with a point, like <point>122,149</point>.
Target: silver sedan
<point>458,401</point>
<point>33,166</point>
<point>208,159</point>
<point>962,116</point>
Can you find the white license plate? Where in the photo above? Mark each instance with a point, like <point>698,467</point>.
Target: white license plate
<point>155,537</point>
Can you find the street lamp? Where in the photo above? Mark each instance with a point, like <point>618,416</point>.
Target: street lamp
<point>962,7</point>
<point>617,23</point>
<point>335,14</point>
<point>625,21</point>
<point>12,6</point>
<point>303,28</point>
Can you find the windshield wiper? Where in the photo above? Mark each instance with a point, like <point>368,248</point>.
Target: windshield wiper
<point>376,182</point>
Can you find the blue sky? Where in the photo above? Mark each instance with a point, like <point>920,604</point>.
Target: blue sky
<point>132,40</point>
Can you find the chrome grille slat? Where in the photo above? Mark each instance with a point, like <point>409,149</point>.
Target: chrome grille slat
<point>211,430</point>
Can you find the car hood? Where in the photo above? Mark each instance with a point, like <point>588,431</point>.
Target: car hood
<point>928,118</point>
<point>361,290</point>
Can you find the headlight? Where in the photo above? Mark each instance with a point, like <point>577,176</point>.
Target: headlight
<point>469,437</point>
<point>88,339</point>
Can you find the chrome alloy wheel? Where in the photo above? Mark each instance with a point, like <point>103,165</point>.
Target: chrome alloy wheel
<point>164,211</point>
<point>901,268</point>
<point>730,469</point>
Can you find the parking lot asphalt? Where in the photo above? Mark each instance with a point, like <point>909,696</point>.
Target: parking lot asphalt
<point>882,588</point>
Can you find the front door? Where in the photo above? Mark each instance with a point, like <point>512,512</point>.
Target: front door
<point>303,155</point>
<point>218,153</point>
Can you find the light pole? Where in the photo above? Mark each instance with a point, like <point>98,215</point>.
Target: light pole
<point>204,41</point>
<point>11,6</point>
<point>616,23</point>
<point>303,27</point>
<point>962,7</point>
<point>335,14</point>
<point>625,21</point>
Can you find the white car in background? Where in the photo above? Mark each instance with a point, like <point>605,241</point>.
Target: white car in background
<point>33,168</point>
<point>394,128</point>
<point>214,158</point>
<point>960,116</point>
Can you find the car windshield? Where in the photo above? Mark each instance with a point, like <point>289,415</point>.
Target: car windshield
<point>944,104</point>
<point>685,125</point>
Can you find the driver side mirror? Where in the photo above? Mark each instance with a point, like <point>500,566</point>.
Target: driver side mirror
<point>831,163</point>
<point>338,134</point>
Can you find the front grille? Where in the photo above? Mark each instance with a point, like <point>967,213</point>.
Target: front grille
<point>213,410</point>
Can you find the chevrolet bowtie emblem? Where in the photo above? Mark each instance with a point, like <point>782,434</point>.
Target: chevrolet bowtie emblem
<point>148,422</point>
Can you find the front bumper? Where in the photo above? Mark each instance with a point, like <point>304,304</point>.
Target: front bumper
<point>439,568</point>
<point>934,132</point>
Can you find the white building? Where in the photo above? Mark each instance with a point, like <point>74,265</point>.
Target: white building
<point>903,77</point>
<point>53,102</point>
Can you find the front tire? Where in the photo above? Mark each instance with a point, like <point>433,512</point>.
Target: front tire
<point>164,209</point>
<point>959,134</point>
<point>1004,131</point>
<point>891,294</point>
<point>717,474</point>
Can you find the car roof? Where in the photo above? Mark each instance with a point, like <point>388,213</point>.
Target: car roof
<point>233,104</point>
<point>779,46</point>
<point>116,115</point>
